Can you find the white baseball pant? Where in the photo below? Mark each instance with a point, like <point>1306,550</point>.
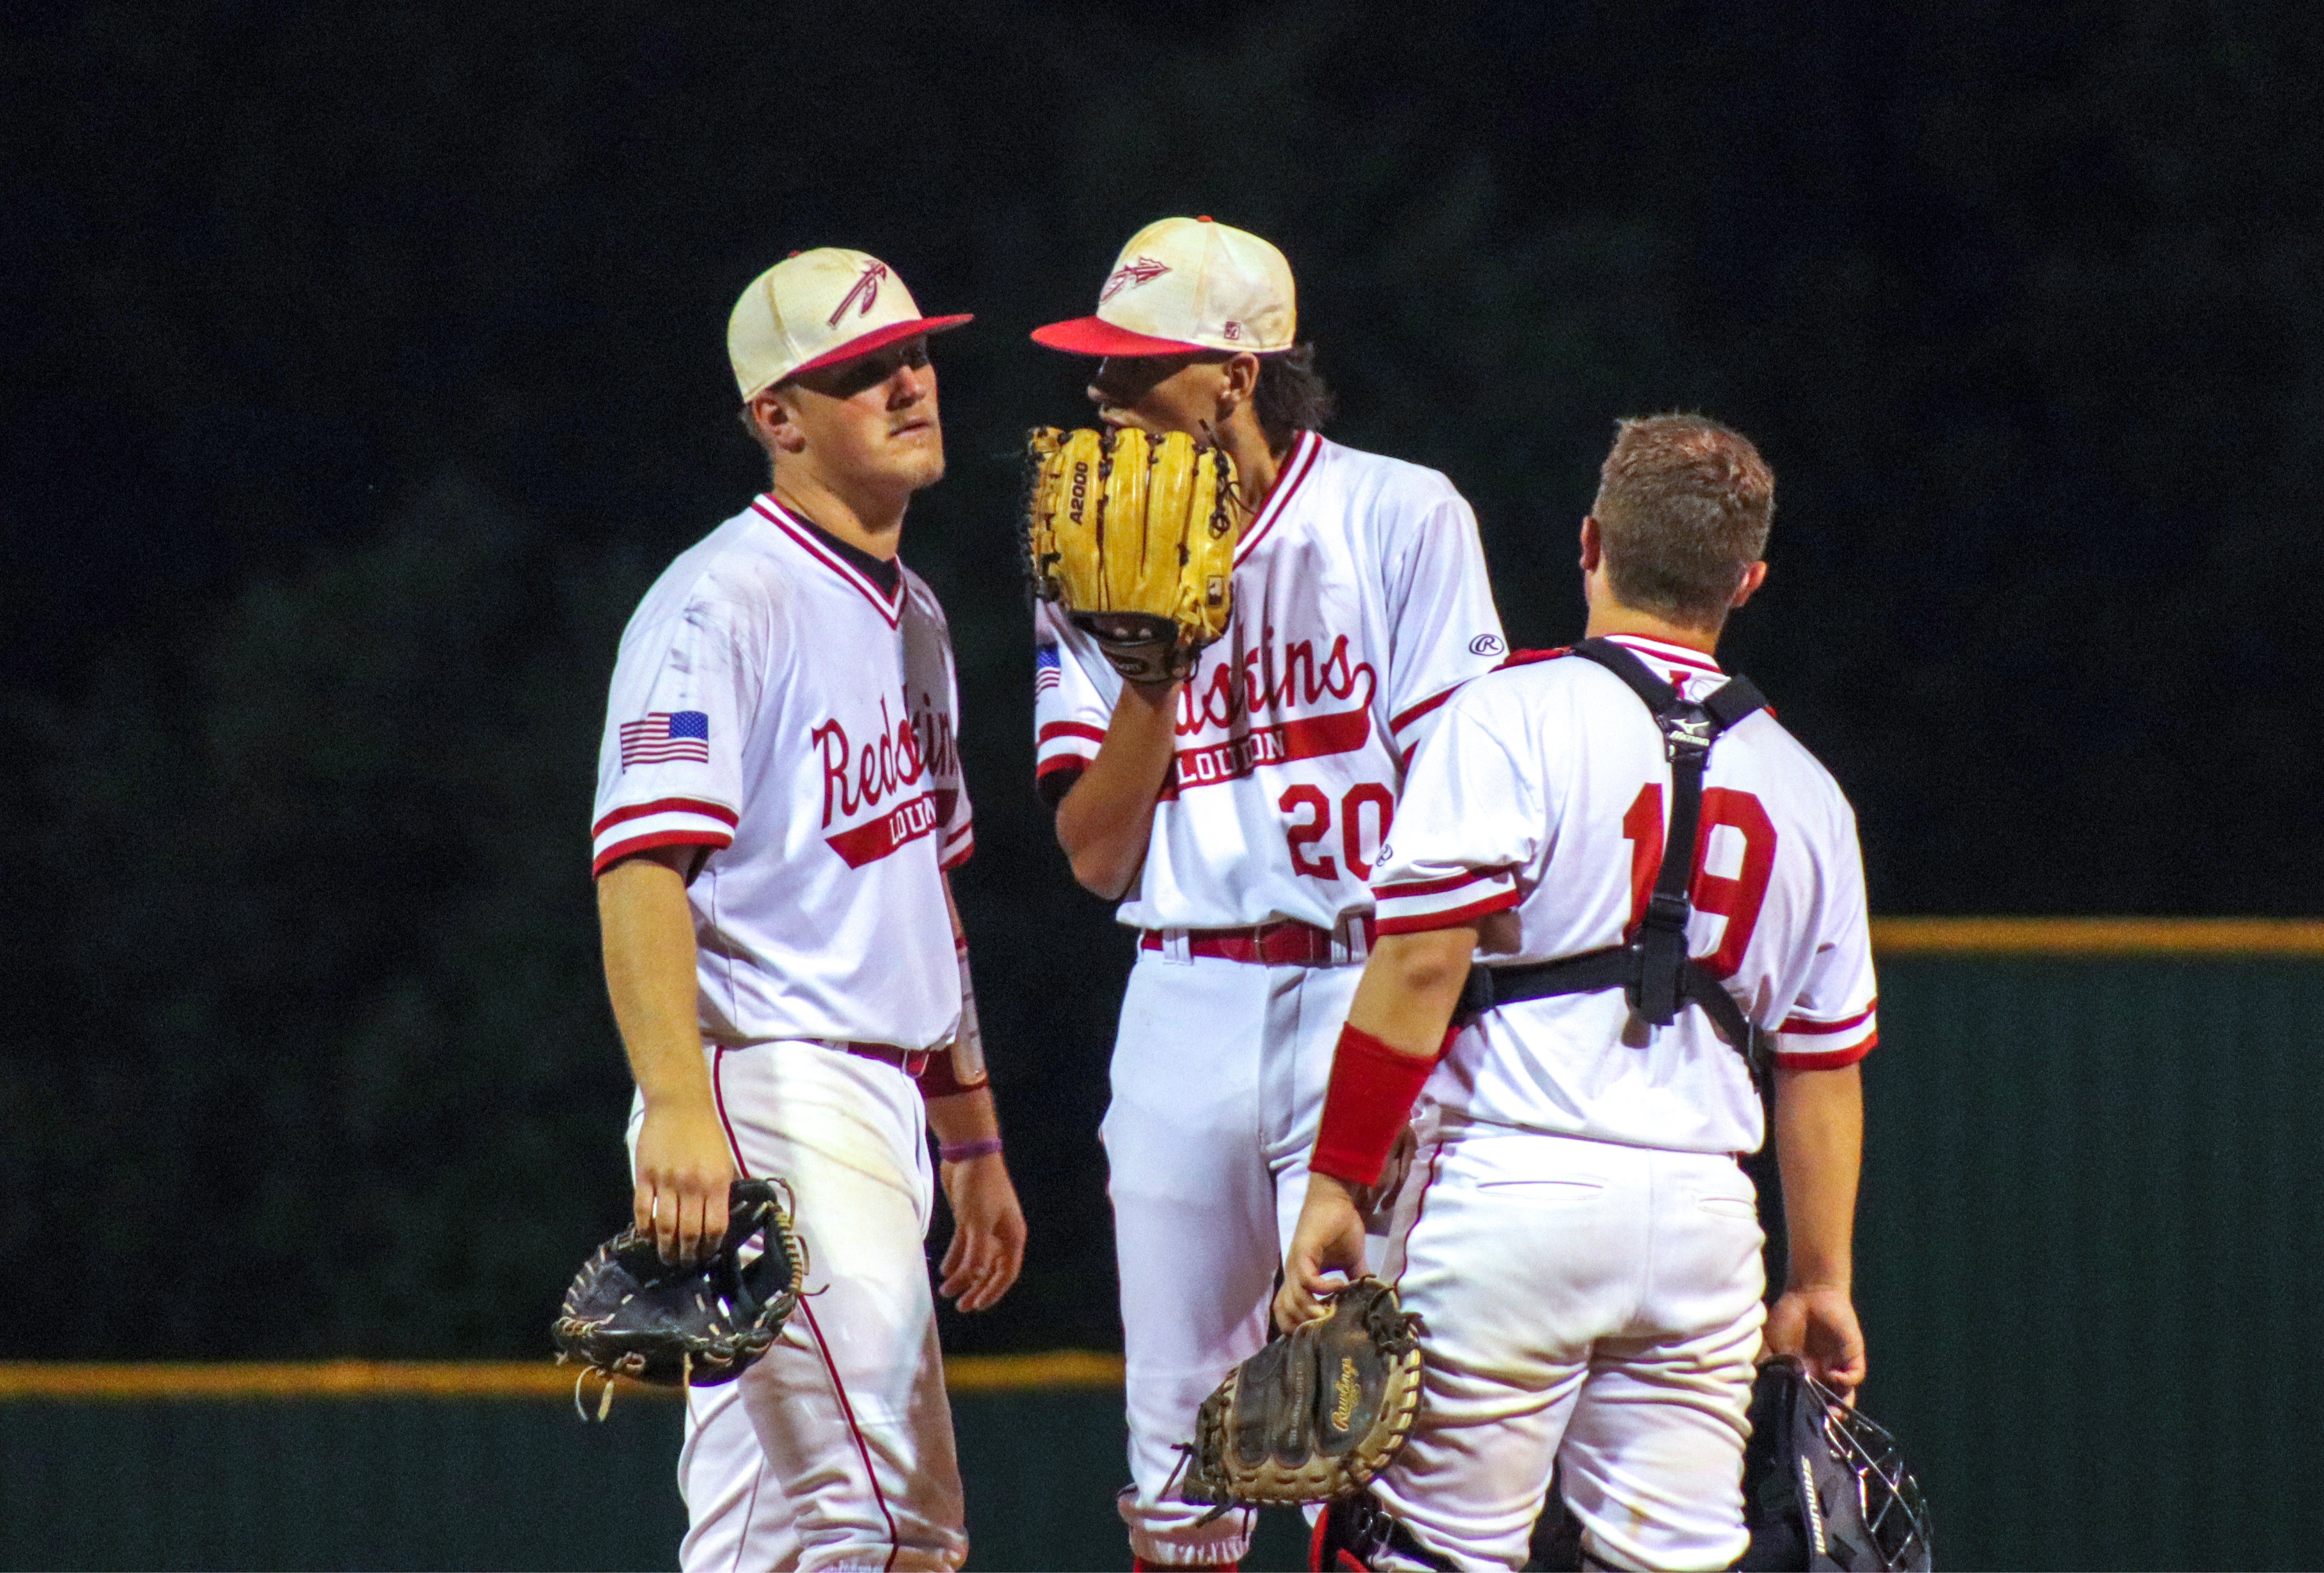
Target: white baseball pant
<point>1586,1302</point>
<point>848,1414</point>
<point>1219,1072</point>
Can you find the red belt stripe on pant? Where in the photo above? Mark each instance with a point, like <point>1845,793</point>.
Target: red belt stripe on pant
<point>910,1062</point>
<point>1285,944</point>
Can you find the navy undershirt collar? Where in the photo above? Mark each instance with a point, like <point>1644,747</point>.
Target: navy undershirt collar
<point>881,571</point>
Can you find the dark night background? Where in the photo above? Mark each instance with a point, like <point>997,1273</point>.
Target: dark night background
<point>367,361</point>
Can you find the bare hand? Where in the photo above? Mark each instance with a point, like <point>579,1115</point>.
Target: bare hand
<point>1820,1327</point>
<point>684,1172</point>
<point>988,1233</point>
<point>1327,1252</point>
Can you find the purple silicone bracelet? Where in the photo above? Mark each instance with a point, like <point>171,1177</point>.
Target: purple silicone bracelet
<point>962,1152</point>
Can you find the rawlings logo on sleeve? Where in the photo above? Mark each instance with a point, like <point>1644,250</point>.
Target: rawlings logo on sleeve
<point>876,778</point>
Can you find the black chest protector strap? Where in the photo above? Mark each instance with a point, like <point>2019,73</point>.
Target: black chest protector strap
<point>1652,967</point>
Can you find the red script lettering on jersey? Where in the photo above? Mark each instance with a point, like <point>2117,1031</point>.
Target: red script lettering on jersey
<point>860,779</point>
<point>1264,682</point>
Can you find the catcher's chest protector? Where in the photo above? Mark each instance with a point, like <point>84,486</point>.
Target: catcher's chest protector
<point>1652,967</point>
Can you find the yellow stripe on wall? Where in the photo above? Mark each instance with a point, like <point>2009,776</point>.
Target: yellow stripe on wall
<point>237,1381</point>
<point>1068,1369</point>
<point>2098,936</point>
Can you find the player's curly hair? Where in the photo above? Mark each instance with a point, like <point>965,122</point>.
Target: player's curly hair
<point>1684,505</point>
<point>1291,395</point>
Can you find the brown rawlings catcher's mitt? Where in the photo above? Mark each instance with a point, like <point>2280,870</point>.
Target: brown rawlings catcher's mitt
<point>629,1313</point>
<point>1316,1413</point>
<point>1134,536</point>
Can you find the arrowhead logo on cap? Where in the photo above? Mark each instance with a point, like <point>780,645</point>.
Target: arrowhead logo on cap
<point>1186,284</point>
<point>1130,274</point>
<point>772,332</point>
<point>868,285</point>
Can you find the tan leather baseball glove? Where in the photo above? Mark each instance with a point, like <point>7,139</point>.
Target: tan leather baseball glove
<point>1134,536</point>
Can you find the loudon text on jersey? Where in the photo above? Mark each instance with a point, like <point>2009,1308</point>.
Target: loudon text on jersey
<point>1266,680</point>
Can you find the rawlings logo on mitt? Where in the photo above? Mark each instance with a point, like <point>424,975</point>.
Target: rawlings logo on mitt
<point>1315,1414</point>
<point>1134,536</point>
<point>629,1313</point>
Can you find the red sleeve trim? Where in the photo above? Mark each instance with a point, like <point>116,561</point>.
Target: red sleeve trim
<point>1398,722</point>
<point>1826,1059</point>
<point>1431,886</point>
<point>1500,901</point>
<point>1074,728</point>
<point>1527,657</point>
<point>956,859</point>
<point>1802,1025</point>
<point>1057,762</point>
<point>717,811</point>
<point>646,843</point>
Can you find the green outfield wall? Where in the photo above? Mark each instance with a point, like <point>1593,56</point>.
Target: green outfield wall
<point>2091,1264</point>
<point>2091,1252</point>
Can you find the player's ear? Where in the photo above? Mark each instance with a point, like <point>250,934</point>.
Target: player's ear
<point>1593,544</point>
<point>1241,372</point>
<point>1753,577</point>
<point>772,413</point>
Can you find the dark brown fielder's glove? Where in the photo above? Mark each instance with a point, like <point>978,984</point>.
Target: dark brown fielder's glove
<point>629,1313</point>
<point>1315,1414</point>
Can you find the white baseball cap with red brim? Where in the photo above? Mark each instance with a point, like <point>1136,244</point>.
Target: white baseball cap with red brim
<point>817,309</point>
<point>1186,284</point>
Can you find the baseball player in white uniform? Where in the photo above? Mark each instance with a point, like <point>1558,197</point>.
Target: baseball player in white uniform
<point>1237,814</point>
<point>779,806</point>
<point>1574,1229</point>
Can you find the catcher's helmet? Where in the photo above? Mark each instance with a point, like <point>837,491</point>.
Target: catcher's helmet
<point>1823,1487</point>
<point>1823,1490</point>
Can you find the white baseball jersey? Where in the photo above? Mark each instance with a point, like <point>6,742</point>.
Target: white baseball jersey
<point>1361,601</point>
<point>1543,789</point>
<point>774,702</point>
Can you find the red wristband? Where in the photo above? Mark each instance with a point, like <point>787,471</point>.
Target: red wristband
<point>1367,1104</point>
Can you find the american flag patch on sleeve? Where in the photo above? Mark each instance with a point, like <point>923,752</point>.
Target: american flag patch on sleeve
<point>667,735</point>
<point>1044,669</point>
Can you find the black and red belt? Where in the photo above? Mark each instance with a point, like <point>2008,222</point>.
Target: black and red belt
<point>1285,944</point>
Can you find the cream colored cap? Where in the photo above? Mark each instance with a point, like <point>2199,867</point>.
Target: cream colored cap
<point>1188,284</point>
<point>816,308</point>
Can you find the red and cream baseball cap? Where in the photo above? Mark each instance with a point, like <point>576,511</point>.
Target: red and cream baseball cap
<point>816,308</point>
<point>1186,284</point>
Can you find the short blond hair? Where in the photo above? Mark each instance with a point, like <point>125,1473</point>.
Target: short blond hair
<point>1684,508</point>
